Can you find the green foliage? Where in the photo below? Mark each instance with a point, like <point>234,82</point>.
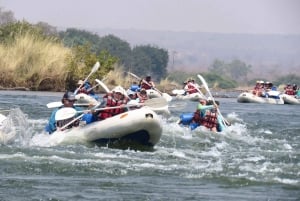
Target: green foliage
<point>235,70</point>
<point>9,32</point>
<point>80,64</point>
<point>74,37</point>
<point>181,77</point>
<point>213,80</point>
<point>141,60</point>
<point>148,60</point>
<point>118,48</point>
<point>288,79</point>
<point>217,81</point>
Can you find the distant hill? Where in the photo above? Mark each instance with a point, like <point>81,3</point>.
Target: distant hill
<point>269,55</point>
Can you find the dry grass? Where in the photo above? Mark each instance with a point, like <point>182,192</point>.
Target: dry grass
<point>31,60</point>
<point>119,77</point>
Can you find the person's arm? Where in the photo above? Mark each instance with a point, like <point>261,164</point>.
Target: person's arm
<point>51,126</point>
<point>205,107</point>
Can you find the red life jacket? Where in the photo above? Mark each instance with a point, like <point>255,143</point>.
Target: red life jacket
<point>290,91</point>
<point>82,90</point>
<point>111,102</point>
<point>145,86</point>
<point>191,89</point>
<point>209,120</point>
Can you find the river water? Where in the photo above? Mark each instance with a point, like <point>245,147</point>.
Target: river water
<point>257,158</point>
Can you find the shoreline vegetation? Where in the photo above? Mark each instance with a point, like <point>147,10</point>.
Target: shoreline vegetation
<point>31,60</point>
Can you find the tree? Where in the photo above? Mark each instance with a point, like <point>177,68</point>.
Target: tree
<point>75,37</point>
<point>6,17</point>
<point>238,70</point>
<point>150,60</point>
<point>47,29</point>
<point>118,48</point>
<point>80,63</point>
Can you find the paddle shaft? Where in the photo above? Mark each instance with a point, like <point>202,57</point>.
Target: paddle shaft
<point>208,91</point>
<point>94,69</point>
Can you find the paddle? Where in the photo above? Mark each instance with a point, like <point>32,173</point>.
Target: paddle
<point>59,104</point>
<point>226,123</point>
<point>165,95</point>
<point>178,91</point>
<point>102,85</point>
<point>94,69</point>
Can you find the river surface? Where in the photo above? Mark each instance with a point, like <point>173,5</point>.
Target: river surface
<point>257,158</point>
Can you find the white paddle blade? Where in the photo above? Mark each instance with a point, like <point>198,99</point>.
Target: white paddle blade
<point>167,97</point>
<point>54,104</point>
<point>95,67</point>
<point>102,85</point>
<point>178,91</point>
<point>65,113</point>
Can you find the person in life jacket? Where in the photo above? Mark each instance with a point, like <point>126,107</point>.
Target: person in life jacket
<point>191,87</point>
<point>68,100</point>
<point>259,89</point>
<point>289,90</point>
<point>147,83</point>
<point>297,93</point>
<point>142,96</point>
<point>205,115</point>
<point>87,88</point>
<point>113,99</point>
<point>134,87</point>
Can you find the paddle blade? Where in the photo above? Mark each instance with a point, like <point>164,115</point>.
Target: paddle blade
<point>54,104</point>
<point>203,82</point>
<point>102,85</point>
<point>95,67</point>
<point>178,91</point>
<point>65,113</point>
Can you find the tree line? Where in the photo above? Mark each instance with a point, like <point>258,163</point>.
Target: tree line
<point>86,48</point>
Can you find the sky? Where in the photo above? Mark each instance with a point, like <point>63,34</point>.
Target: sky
<point>214,16</point>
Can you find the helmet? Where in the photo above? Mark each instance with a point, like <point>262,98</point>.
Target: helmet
<point>148,77</point>
<point>130,92</point>
<point>118,89</point>
<point>69,96</point>
<point>80,82</point>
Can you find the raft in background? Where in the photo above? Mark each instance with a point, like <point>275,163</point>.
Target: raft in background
<point>290,99</point>
<point>274,97</point>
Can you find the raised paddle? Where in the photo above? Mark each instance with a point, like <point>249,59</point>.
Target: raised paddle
<point>165,95</point>
<point>94,69</point>
<point>102,85</point>
<point>226,123</point>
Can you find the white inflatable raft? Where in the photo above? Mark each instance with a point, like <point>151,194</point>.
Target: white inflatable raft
<point>247,97</point>
<point>135,127</point>
<point>289,99</point>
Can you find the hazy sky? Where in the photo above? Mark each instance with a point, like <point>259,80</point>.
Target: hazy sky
<point>221,16</point>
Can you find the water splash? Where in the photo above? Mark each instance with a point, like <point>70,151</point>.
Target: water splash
<point>15,128</point>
